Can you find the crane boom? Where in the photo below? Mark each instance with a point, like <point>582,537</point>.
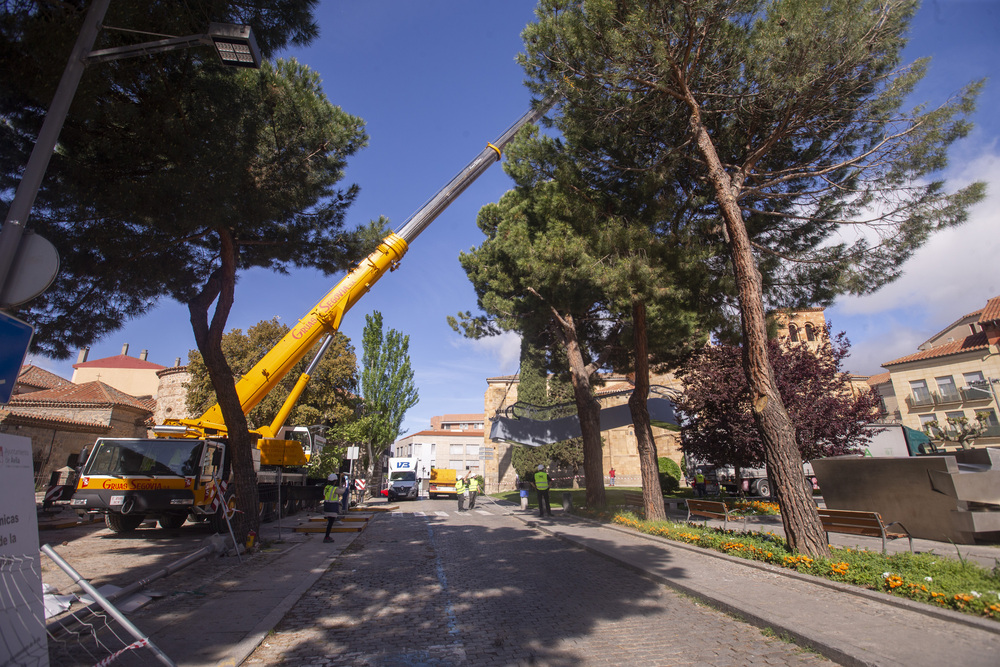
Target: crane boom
<point>325,317</point>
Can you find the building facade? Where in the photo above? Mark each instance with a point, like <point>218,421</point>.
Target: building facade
<point>953,374</point>
<point>452,441</point>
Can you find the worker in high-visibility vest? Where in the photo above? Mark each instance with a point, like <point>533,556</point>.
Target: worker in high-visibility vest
<point>542,489</point>
<point>460,492</point>
<point>473,491</point>
<point>331,504</point>
<point>699,484</point>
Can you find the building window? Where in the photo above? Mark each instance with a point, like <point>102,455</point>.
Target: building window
<point>947,389</point>
<point>793,333</point>
<point>921,395</point>
<point>456,450</point>
<point>926,419</point>
<point>457,464</point>
<point>810,332</point>
<point>974,379</point>
<point>472,451</point>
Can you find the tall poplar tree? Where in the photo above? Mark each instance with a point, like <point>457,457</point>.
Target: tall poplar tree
<point>387,389</point>
<point>783,120</point>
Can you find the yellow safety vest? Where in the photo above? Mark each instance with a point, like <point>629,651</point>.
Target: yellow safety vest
<point>474,485</point>
<point>330,493</point>
<point>542,480</point>
<point>699,478</point>
<point>460,485</point>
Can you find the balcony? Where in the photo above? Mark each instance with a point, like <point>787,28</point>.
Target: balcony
<point>950,396</point>
<point>975,392</point>
<point>920,399</point>
<point>992,431</point>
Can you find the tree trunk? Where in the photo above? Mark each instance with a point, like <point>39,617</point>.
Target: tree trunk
<point>221,284</point>
<point>589,411</point>
<point>652,492</point>
<point>803,529</point>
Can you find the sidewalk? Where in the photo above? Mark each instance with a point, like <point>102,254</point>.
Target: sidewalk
<point>848,625</point>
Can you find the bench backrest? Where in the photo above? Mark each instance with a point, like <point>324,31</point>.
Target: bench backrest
<point>633,498</point>
<point>713,508</point>
<point>851,521</point>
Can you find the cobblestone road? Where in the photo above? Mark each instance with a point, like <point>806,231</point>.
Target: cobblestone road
<point>484,589</point>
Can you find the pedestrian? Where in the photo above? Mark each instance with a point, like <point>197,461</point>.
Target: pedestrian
<point>344,493</point>
<point>473,491</point>
<point>699,484</point>
<point>611,476</point>
<point>460,493</point>
<point>542,489</point>
<point>331,508</point>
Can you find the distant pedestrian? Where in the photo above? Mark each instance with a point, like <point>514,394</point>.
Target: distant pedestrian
<point>331,507</point>
<point>344,493</point>
<point>611,476</point>
<point>473,491</point>
<point>699,484</point>
<point>542,489</point>
<point>460,493</point>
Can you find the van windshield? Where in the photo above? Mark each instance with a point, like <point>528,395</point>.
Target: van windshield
<point>404,476</point>
<point>146,457</point>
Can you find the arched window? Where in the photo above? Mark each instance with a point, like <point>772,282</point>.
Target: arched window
<point>810,332</point>
<point>793,333</point>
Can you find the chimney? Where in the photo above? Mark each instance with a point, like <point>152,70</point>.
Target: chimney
<point>144,354</point>
<point>83,355</point>
<point>125,350</point>
<point>177,362</point>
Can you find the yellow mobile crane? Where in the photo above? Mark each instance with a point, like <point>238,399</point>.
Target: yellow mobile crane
<point>181,472</point>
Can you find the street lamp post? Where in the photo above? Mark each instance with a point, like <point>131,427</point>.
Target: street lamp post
<point>236,47</point>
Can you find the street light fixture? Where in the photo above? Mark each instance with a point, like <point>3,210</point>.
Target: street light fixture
<point>236,47</point>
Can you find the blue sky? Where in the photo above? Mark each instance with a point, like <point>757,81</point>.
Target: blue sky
<point>435,80</point>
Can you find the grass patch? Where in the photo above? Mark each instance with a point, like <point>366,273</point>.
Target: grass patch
<point>931,579</point>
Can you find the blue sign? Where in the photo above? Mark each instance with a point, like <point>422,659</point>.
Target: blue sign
<point>15,337</point>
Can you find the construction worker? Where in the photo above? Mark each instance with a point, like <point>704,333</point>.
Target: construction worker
<point>699,484</point>
<point>331,504</point>
<point>460,493</point>
<point>473,491</point>
<point>542,489</point>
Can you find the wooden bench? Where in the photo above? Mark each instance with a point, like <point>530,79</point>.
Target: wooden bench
<point>854,522</point>
<point>634,499</point>
<point>710,509</point>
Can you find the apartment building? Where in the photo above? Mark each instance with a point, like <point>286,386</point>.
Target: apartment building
<point>954,373</point>
<point>452,441</point>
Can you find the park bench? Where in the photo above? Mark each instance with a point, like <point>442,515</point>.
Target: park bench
<point>869,524</point>
<point>634,499</point>
<point>710,509</point>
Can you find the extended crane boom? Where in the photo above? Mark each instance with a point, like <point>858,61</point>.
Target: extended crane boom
<point>325,316</point>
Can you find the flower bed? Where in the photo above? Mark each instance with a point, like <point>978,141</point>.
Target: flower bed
<point>945,582</point>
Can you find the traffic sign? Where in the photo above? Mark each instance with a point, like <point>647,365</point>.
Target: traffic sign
<point>15,337</point>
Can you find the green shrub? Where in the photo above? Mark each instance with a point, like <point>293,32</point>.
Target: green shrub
<point>670,474</point>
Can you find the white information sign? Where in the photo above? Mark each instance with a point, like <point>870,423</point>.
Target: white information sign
<point>22,612</point>
<point>353,453</point>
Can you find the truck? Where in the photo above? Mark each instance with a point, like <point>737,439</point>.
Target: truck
<point>403,481</point>
<point>184,470</point>
<point>442,483</point>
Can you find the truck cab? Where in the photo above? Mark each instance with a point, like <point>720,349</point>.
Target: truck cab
<point>403,482</point>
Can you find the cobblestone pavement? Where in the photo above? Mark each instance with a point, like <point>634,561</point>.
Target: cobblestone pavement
<point>481,588</point>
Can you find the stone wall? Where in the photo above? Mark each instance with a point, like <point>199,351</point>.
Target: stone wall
<point>171,396</point>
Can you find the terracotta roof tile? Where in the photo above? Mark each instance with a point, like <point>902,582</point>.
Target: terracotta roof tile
<point>881,378</point>
<point>991,311</point>
<point>89,392</point>
<point>27,418</point>
<point>120,361</point>
<point>39,377</point>
<point>976,341</point>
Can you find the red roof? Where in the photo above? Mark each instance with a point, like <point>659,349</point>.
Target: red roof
<point>991,311</point>
<point>977,341</point>
<point>34,376</point>
<point>881,378</point>
<point>94,393</point>
<point>120,361</point>
<point>25,418</point>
